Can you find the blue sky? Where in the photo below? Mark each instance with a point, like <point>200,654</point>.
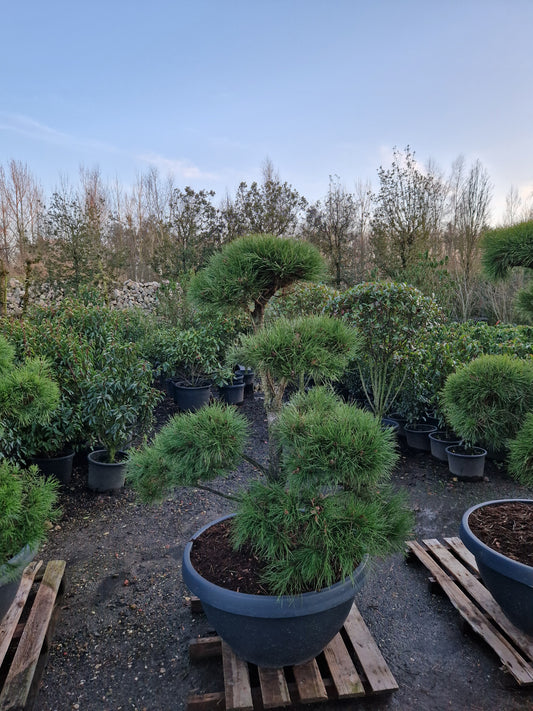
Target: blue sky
<point>208,89</point>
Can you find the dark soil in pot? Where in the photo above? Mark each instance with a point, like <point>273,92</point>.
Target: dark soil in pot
<point>506,528</point>
<point>216,560</point>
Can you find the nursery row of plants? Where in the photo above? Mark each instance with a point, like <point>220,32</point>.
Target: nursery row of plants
<point>81,377</point>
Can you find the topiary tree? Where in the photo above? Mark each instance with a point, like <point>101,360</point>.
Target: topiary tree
<point>486,401</point>
<point>392,319</point>
<point>316,348</point>
<point>508,247</point>
<point>520,461</point>
<point>329,505</point>
<point>249,271</point>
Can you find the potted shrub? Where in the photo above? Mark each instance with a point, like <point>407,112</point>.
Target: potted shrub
<point>50,445</point>
<point>499,534</point>
<point>323,507</point>
<point>486,402</point>
<point>27,504</point>
<point>27,501</point>
<point>117,407</point>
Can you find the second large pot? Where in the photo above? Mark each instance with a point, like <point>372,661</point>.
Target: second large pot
<point>273,631</point>
<point>510,582</point>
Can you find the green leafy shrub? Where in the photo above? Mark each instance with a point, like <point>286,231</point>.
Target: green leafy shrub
<point>300,299</point>
<point>486,401</point>
<point>118,399</point>
<point>27,502</point>
<point>520,461</point>
<point>192,355</point>
<point>393,320</point>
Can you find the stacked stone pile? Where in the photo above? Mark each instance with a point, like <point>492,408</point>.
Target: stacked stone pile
<point>130,294</point>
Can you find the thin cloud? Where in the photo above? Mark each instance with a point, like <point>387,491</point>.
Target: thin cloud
<point>184,168</point>
<point>27,126</point>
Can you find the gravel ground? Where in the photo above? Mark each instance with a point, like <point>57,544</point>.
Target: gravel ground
<point>122,637</point>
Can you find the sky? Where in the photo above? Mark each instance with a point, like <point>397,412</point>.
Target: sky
<point>207,90</point>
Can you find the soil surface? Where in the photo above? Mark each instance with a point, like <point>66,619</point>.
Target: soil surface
<point>506,528</point>
<point>122,638</point>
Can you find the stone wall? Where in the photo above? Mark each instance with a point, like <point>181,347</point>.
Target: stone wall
<point>127,295</point>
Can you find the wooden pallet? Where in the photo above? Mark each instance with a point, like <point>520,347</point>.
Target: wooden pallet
<point>350,666</point>
<point>25,634</point>
<point>453,568</point>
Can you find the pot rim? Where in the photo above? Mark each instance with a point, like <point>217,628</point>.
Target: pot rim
<point>519,570</point>
<point>420,427</point>
<point>481,453</point>
<point>93,457</point>
<point>287,605</point>
<point>435,436</point>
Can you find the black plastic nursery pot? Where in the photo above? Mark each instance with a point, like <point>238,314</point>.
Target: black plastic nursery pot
<point>273,631</point>
<point>417,435</point>
<point>510,582</point>
<point>103,475</point>
<point>466,463</point>
<point>11,575</point>
<point>189,398</point>
<point>232,394</point>
<point>439,440</point>
<point>401,420</point>
<point>59,467</point>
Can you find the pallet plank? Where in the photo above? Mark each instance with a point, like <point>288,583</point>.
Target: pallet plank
<point>215,701</point>
<point>462,551</point>
<point>510,657</point>
<point>236,681</point>
<point>375,667</point>
<point>204,647</point>
<point>274,689</point>
<point>337,678</point>
<point>309,682</point>
<point>342,669</point>
<point>8,624</point>
<point>21,674</point>
<point>480,594</point>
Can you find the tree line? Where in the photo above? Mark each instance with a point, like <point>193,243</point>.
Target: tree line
<point>419,225</point>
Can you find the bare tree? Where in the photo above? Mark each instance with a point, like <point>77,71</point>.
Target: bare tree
<point>21,206</point>
<point>470,212</point>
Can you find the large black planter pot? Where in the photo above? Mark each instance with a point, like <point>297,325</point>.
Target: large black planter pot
<point>273,631</point>
<point>189,398</point>
<point>59,467</point>
<point>466,463</point>
<point>438,441</point>
<point>417,436</point>
<point>510,582</point>
<point>103,475</point>
<point>11,575</point>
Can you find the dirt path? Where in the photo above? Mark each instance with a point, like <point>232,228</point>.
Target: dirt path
<point>122,638</point>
